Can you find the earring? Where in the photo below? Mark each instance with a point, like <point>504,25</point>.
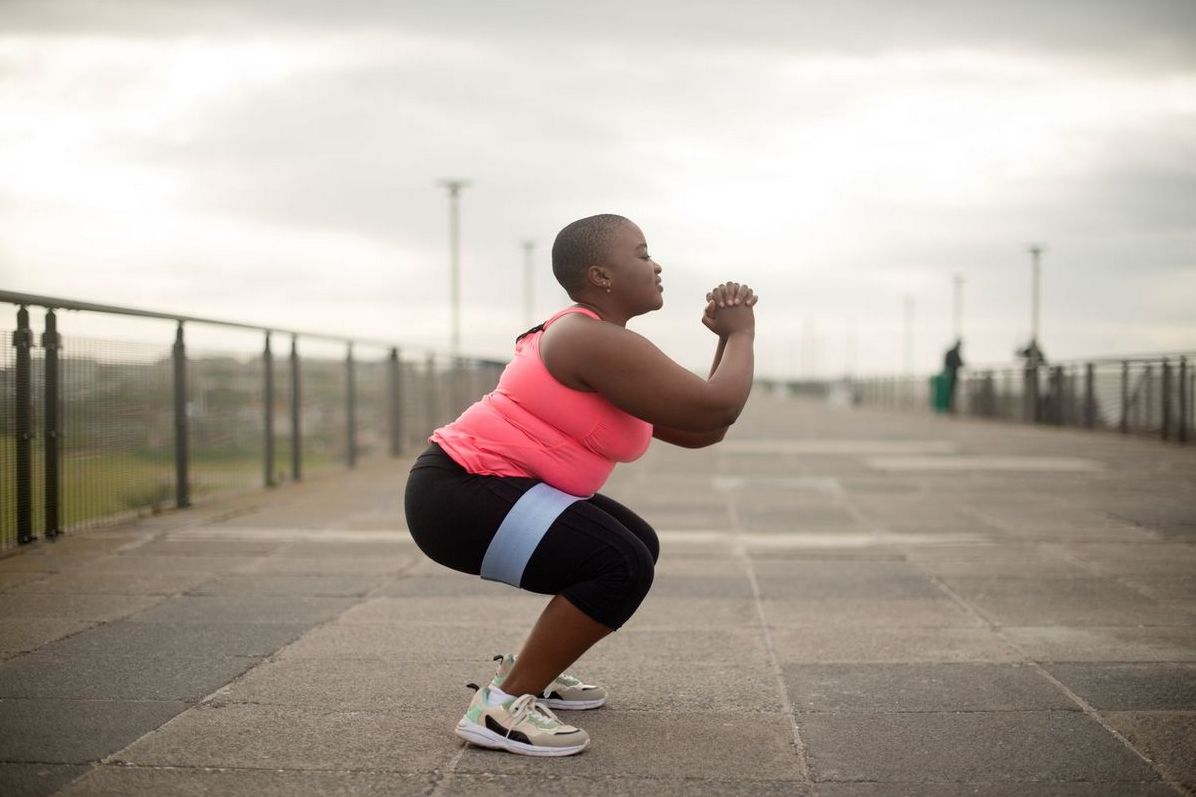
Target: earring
<point>608,289</point>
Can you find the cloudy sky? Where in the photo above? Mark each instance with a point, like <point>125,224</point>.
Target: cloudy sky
<point>277,162</point>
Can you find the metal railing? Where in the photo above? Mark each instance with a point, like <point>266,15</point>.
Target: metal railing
<point>94,430</point>
<point>1147,395</point>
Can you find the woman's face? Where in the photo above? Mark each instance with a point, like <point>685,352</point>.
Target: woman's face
<point>635,276</point>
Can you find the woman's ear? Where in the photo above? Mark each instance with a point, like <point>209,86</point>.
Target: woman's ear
<point>598,276</point>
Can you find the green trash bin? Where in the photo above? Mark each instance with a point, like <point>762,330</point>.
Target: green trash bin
<point>940,392</point>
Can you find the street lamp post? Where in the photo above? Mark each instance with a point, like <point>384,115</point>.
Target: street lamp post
<point>454,191</point>
<point>957,281</point>
<point>1035,251</point>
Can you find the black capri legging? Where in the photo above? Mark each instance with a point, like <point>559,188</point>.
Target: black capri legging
<point>598,554</point>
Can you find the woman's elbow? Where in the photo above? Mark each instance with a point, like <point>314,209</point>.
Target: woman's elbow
<point>715,437</point>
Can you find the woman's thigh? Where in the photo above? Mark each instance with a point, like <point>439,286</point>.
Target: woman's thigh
<point>453,515</point>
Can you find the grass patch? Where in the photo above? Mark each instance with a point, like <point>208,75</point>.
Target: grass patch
<point>96,485</point>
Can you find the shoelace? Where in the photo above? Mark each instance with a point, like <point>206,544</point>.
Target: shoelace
<point>526,707</point>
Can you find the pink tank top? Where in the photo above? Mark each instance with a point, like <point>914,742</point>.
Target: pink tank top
<point>533,426</point>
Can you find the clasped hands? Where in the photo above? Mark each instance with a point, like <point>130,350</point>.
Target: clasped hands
<point>729,309</point>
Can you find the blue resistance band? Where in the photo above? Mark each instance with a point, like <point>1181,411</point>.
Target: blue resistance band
<point>521,531</point>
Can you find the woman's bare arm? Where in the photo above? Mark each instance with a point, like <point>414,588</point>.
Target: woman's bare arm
<point>637,377</point>
<point>695,439</point>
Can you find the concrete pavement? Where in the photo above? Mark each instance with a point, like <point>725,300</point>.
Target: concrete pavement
<point>847,604</point>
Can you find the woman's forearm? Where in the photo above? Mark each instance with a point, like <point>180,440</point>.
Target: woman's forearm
<point>718,356</point>
<point>732,376</point>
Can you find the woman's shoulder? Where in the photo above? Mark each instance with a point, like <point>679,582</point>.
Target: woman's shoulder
<point>572,312</point>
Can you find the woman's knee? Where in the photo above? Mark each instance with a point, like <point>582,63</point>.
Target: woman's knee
<point>632,578</point>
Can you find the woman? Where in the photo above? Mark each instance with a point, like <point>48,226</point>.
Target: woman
<point>508,491</point>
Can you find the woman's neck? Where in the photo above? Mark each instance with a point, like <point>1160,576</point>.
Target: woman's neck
<point>605,313</point>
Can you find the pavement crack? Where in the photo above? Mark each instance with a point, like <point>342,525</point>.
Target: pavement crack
<point>769,645</point>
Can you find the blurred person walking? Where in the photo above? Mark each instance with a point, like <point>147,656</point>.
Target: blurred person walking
<point>508,490</point>
<point>952,362</point>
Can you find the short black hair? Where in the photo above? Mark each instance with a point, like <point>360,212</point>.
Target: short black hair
<point>582,244</point>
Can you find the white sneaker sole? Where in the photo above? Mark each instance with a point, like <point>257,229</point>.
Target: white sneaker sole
<point>573,705</point>
<point>484,737</point>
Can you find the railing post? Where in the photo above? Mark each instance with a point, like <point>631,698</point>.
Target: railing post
<point>182,484</point>
<point>1056,397</point>
<point>1165,422</point>
<point>1030,395</point>
<point>1125,396</point>
<point>430,413</point>
<point>395,396</point>
<point>22,339</point>
<point>350,411</point>
<point>268,406</point>
<point>1090,395</point>
<point>52,444</point>
<point>1148,400</point>
<point>296,413</point>
<point>1183,400</point>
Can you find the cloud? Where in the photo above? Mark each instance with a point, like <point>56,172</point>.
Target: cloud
<point>840,156</point>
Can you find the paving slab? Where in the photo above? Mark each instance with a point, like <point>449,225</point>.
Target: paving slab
<point>681,744</point>
<point>93,608</point>
<point>299,738</point>
<point>1019,789</point>
<point>75,731</point>
<point>654,685</point>
<point>37,780</point>
<point>10,579</point>
<point>268,609</point>
<point>109,583</point>
<point>1076,602</point>
<point>862,612</point>
<point>407,642</point>
<point>358,684</point>
<point>879,645</point>
<point>1131,687</point>
<point>127,781</point>
<point>1118,643</point>
<point>519,609</point>
<point>699,613</point>
<point>179,640</point>
<point>299,585</point>
<point>330,563</point>
<point>117,677</point>
<point>667,586</point>
<point>827,580</point>
<point>633,647</point>
<point>140,565</point>
<point>503,785</point>
<point>1166,737</point>
<point>1161,559</point>
<point>22,634</point>
<point>921,687</point>
<point>994,747</point>
<point>185,547</point>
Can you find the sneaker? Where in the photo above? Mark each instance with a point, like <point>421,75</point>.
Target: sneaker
<point>520,725</point>
<point>565,692</point>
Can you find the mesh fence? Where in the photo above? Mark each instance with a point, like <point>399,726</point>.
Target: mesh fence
<point>8,439</point>
<point>117,435</point>
<point>116,419</point>
<point>225,421</point>
<point>1142,395</point>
